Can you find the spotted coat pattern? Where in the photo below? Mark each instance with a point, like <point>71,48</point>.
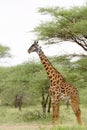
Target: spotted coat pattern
<point>59,88</point>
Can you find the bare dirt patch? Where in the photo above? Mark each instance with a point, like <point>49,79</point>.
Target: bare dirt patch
<point>25,127</point>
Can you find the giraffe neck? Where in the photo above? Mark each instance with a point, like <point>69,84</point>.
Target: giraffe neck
<point>50,70</point>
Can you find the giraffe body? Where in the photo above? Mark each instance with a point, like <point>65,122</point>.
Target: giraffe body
<point>59,88</point>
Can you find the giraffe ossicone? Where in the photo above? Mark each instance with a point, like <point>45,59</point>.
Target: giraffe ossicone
<point>59,88</point>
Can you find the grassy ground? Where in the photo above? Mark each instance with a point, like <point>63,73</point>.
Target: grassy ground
<point>31,119</point>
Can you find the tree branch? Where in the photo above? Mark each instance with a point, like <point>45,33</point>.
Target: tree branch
<point>81,41</point>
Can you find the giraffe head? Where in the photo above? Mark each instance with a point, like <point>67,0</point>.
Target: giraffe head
<point>34,47</point>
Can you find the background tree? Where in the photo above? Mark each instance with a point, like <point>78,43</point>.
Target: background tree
<point>66,24</point>
<point>4,51</point>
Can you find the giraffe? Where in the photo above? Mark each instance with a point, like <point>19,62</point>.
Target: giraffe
<point>59,88</point>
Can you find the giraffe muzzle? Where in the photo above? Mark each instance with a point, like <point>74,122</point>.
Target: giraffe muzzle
<point>29,51</point>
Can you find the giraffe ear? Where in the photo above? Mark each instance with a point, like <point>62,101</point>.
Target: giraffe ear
<point>40,47</point>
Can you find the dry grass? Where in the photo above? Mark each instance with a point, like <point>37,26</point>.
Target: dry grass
<point>12,119</point>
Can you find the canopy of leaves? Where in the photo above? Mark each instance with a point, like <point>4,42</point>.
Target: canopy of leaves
<point>66,24</point>
<point>30,80</point>
<point>4,51</point>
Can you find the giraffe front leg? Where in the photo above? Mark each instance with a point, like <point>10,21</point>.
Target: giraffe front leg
<point>55,107</point>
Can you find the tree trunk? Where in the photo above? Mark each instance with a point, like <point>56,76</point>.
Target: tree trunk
<point>44,104</point>
<point>49,105</point>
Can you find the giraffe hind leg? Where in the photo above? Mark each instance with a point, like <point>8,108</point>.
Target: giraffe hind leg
<point>77,112</point>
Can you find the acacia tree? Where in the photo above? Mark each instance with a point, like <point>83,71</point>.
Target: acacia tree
<point>66,24</point>
<point>4,51</point>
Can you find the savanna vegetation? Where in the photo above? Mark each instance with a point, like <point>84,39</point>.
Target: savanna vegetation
<point>64,25</point>
<point>29,79</point>
<point>4,51</point>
